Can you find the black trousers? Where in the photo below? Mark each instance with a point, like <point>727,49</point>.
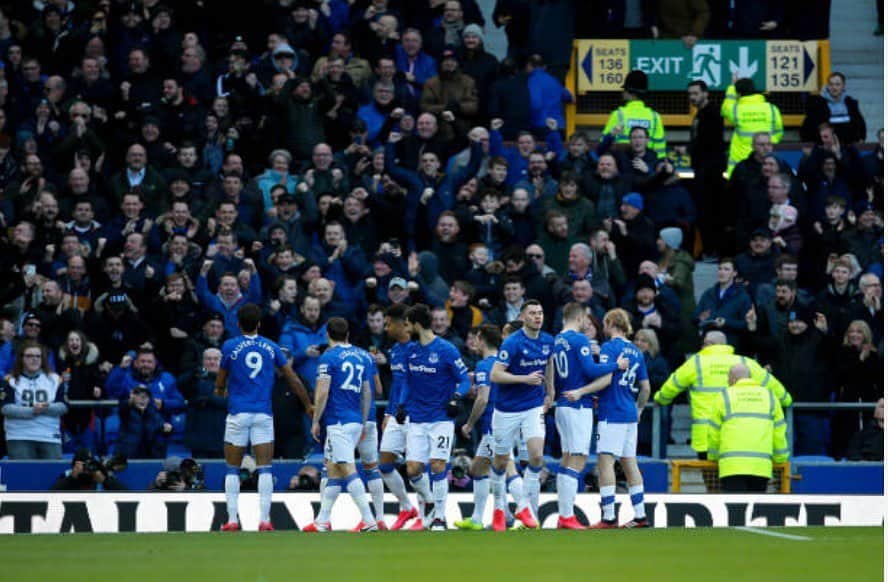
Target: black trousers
<point>744,484</point>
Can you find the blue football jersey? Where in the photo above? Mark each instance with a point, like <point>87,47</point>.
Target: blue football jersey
<point>616,403</point>
<point>482,378</point>
<point>348,368</point>
<point>435,372</point>
<point>521,356</point>
<point>575,367</point>
<point>250,362</point>
<point>398,365</point>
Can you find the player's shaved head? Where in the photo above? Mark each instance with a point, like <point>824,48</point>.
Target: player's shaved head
<point>714,338</point>
<point>737,372</point>
<point>248,318</point>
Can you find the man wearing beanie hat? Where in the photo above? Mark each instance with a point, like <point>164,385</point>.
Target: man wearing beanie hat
<point>679,276</point>
<point>636,114</point>
<point>475,61</point>
<point>650,311</point>
<point>452,95</point>
<point>633,233</point>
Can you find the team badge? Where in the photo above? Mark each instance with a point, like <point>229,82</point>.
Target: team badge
<point>433,358</point>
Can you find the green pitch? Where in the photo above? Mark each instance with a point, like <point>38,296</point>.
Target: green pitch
<point>841,553</point>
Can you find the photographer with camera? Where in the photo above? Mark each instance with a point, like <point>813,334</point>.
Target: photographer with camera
<point>89,473</point>
<point>179,475</point>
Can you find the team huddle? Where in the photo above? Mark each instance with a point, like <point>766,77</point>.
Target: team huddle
<point>518,379</point>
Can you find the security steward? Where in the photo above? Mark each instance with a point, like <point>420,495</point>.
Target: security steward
<point>748,435</point>
<point>634,113</point>
<point>705,374</point>
<point>749,113</point>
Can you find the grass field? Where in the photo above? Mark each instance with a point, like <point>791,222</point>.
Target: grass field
<point>843,553</point>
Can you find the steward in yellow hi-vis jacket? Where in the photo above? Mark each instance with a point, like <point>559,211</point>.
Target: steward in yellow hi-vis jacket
<point>636,114</point>
<point>748,434</point>
<point>750,113</point>
<point>706,375</point>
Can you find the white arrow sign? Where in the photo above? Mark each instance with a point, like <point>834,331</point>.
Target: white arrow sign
<point>745,69</point>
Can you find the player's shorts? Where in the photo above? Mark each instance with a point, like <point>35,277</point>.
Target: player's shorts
<point>394,437</point>
<point>367,448</point>
<point>485,447</point>
<point>342,440</point>
<point>256,428</point>
<point>575,428</point>
<point>429,440</point>
<point>508,426</point>
<point>617,438</point>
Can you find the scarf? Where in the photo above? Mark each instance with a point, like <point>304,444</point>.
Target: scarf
<point>838,110</point>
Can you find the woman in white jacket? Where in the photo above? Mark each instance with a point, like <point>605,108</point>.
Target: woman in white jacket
<point>33,400</point>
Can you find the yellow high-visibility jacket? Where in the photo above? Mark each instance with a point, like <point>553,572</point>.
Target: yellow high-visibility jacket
<point>636,114</point>
<point>748,432</point>
<point>750,115</point>
<point>706,375</point>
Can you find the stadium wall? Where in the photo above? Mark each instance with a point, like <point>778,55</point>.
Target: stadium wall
<point>203,512</point>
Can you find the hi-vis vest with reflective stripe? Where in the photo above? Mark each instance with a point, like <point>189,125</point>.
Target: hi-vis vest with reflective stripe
<point>750,115</point>
<point>749,431</point>
<point>706,375</point>
<point>636,114</point>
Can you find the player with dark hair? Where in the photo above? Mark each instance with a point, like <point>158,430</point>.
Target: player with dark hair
<point>523,372</point>
<point>342,404</point>
<point>246,376</point>
<point>436,379</point>
<point>394,425</point>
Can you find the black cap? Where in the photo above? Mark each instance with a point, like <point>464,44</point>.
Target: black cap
<point>763,232</point>
<point>289,198</point>
<point>645,282</point>
<point>141,388</point>
<point>214,316</point>
<point>636,82</point>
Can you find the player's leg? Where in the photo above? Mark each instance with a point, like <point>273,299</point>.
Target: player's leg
<point>515,485</point>
<point>534,430</point>
<point>479,471</point>
<point>634,479</point>
<point>441,445</point>
<point>344,455</point>
<point>505,429</point>
<point>236,436</point>
<point>418,450</point>
<point>367,451</point>
<point>575,427</point>
<point>333,486</point>
<point>262,437</point>
<point>393,443</point>
<point>609,445</point>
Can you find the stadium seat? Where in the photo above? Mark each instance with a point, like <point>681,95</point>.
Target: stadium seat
<point>813,459</point>
<point>178,450</point>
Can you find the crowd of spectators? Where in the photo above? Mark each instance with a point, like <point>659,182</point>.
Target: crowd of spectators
<point>162,165</point>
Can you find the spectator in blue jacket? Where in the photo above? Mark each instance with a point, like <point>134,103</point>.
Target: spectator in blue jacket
<point>724,305</point>
<point>229,297</point>
<point>142,427</point>
<point>376,114</point>
<point>547,96</point>
<point>304,337</point>
<point>143,370</point>
<point>416,65</point>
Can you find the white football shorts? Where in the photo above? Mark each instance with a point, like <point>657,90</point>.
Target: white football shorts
<point>617,438</point>
<point>244,428</point>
